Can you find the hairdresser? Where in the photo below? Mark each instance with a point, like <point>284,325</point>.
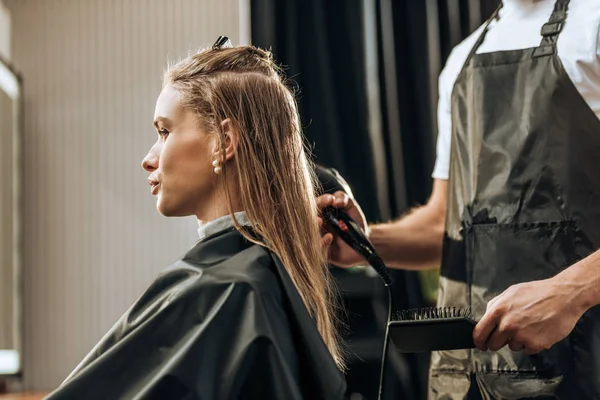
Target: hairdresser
<point>514,216</point>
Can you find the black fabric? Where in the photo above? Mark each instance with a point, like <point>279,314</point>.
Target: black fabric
<point>522,173</point>
<point>224,322</point>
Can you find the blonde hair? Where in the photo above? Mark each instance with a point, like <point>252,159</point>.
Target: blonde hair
<point>275,180</point>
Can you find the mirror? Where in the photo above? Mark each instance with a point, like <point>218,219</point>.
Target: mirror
<point>10,221</point>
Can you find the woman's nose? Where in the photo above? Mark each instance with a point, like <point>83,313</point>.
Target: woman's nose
<point>150,162</point>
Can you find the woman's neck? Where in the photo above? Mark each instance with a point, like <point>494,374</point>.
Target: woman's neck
<point>209,228</point>
<point>218,205</point>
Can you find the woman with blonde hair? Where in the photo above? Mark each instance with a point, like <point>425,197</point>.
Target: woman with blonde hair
<point>248,312</point>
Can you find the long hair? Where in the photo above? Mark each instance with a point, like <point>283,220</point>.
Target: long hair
<point>272,172</point>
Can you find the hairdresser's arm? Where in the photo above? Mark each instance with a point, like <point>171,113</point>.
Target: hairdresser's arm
<point>411,242</point>
<point>415,240</point>
<point>534,316</point>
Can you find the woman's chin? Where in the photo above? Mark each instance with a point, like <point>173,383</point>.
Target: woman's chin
<point>169,210</point>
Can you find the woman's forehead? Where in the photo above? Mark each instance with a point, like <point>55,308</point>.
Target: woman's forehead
<point>168,104</point>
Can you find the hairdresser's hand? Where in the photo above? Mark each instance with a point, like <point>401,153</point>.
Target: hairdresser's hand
<point>340,253</point>
<point>530,316</point>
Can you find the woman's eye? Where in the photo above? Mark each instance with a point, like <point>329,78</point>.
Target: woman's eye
<point>163,132</point>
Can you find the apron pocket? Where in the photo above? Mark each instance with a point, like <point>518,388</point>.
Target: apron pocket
<point>502,255</point>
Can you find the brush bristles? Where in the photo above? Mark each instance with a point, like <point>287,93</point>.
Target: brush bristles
<point>431,313</point>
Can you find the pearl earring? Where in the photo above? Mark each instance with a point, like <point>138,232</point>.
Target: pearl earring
<point>217,166</point>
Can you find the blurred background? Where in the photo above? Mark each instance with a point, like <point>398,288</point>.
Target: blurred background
<point>81,238</point>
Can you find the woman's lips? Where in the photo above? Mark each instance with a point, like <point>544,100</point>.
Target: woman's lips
<point>153,186</point>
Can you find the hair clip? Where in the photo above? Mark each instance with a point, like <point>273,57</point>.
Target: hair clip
<point>222,43</point>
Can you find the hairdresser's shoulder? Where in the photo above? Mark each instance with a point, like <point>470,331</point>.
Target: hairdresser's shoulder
<point>458,57</point>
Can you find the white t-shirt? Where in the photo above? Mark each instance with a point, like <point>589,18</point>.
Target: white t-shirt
<point>518,27</point>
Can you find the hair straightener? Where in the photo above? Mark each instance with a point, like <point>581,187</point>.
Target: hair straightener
<point>351,233</point>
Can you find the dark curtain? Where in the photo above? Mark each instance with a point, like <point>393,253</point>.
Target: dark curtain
<point>322,46</point>
<point>423,34</point>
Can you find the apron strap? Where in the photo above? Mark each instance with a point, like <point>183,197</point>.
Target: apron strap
<point>551,29</point>
<point>481,37</point>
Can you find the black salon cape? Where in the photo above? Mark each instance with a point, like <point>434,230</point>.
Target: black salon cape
<point>224,322</point>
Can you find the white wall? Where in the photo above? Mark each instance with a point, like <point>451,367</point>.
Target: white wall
<point>93,239</point>
<point>4,31</point>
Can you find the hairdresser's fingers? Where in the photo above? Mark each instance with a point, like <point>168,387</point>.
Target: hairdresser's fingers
<point>322,229</point>
<point>342,200</point>
<point>325,200</point>
<point>484,329</point>
<point>497,340</point>
<point>326,240</point>
<point>491,303</point>
<point>515,345</point>
<point>339,200</point>
<point>353,209</point>
<point>341,254</point>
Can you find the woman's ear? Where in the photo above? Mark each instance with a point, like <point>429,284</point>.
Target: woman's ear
<point>230,140</point>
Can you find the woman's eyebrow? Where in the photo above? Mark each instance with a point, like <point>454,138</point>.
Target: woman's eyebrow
<point>163,120</point>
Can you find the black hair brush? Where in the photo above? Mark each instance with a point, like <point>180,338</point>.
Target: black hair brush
<point>432,329</point>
